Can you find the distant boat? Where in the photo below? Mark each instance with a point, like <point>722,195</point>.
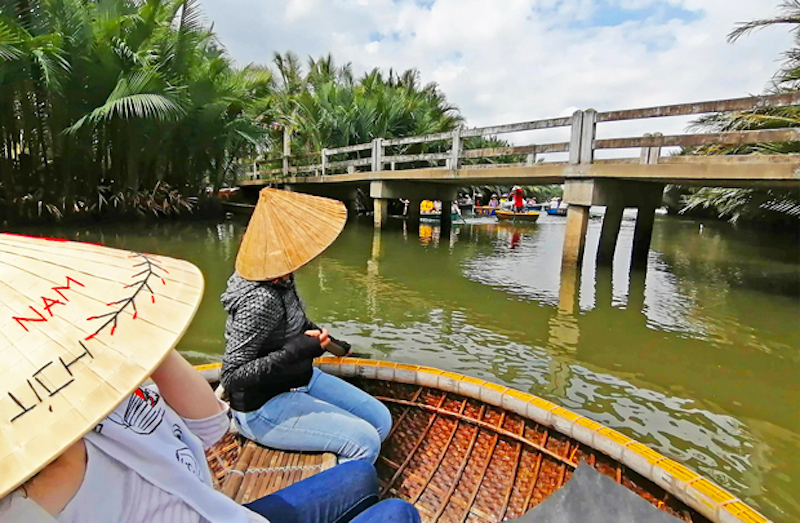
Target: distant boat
<point>438,215</point>
<point>529,217</point>
<point>561,211</point>
<point>238,208</point>
<point>485,210</point>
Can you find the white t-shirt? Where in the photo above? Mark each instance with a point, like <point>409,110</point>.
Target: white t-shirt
<point>113,491</point>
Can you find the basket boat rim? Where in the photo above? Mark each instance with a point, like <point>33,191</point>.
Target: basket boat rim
<point>693,489</point>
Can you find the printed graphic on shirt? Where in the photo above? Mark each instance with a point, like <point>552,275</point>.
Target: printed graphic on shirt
<point>186,458</point>
<point>142,413</point>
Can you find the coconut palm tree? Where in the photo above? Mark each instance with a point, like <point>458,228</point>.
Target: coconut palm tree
<point>776,206</point>
<point>100,98</point>
<point>326,106</point>
<point>789,14</point>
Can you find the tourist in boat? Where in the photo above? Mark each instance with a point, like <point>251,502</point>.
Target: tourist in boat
<point>494,202</point>
<point>278,398</point>
<point>518,200</point>
<point>144,461</point>
<point>103,477</point>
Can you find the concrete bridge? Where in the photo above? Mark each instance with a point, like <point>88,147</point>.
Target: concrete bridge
<point>433,166</point>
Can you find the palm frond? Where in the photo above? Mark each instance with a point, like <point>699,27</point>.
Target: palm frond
<point>191,17</point>
<point>790,14</point>
<point>10,41</point>
<point>51,64</point>
<point>748,27</point>
<point>136,96</point>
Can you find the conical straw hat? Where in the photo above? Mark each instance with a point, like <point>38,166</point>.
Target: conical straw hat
<point>287,230</point>
<point>81,326</point>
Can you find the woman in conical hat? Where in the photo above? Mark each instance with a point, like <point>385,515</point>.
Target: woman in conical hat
<point>278,398</point>
<point>82,441</point>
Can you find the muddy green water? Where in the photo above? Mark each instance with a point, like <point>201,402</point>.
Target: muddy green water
<point>698,356</point>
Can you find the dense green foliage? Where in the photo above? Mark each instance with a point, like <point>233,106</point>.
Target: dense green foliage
<point>323,105</point>
<point>774,206</point>
<point>101,100</point>
<point>134,105</point>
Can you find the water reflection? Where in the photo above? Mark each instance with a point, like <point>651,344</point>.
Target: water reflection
<point>626,347</point>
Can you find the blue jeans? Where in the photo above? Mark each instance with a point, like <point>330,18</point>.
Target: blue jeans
<point>347,492</point>
<point>327,415</point>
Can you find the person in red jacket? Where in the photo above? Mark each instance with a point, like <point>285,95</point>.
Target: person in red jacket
<point>519,201</point>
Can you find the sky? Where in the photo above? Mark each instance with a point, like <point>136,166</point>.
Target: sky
<point>504,61</point>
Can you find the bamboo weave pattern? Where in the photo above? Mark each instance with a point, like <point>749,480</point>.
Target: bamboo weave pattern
<point>456,459</point>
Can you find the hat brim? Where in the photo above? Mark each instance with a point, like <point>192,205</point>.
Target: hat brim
<point>287,230</point>
<point>82,326</point>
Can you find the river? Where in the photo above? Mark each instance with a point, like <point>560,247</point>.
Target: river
<point>698,356</point>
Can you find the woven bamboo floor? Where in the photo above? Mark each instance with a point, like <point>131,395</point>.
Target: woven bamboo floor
<point>460,460</point>
<point>456,459</point>
<point>246,471</point>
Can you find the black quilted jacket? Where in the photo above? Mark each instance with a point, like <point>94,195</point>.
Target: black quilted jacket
<point>267,352</point>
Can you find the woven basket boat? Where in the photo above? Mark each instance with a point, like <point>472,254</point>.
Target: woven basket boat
<point>245,209</point>
<point>521,216</point>
<point>463,449</point>
<point>484,210</point>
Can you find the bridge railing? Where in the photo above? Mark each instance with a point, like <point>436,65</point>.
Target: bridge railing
<point>447,151</point>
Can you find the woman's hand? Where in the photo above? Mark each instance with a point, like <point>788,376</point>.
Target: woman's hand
<point>324,338</point>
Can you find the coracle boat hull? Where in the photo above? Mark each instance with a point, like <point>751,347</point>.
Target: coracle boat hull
<point>529,217</point>
<point>243,209</point>
<point>437,216</point>
<point>557,212</point>
<point>463,449</point>
<point>481,210</point>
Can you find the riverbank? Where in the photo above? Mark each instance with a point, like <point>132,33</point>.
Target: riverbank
<point>776,211</point>
<point>160,203</point>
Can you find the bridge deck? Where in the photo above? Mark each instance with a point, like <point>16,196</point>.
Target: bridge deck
<point>446,159</point>
<point>731,171</point>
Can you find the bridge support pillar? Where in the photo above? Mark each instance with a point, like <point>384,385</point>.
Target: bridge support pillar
<point>447,216</point>
<point>575,235</point>
<point>609,233</point>
<point>648,199</point>
<point>642,235</point>
<point>381,211</point>
<point>615,195</point>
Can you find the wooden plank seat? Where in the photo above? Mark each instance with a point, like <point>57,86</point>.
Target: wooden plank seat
<point>245,471</point>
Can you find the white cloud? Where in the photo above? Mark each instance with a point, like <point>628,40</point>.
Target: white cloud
<point>511,60</point>
<point>298,10</point>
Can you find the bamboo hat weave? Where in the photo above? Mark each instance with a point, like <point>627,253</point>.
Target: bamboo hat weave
<point>81,326</point>
<point>287,230</point>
